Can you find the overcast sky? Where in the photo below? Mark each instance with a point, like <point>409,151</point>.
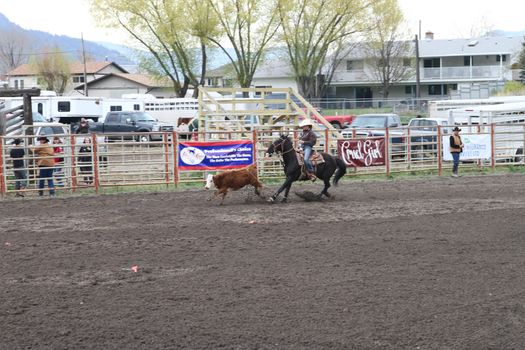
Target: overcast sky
<point>446,18</point>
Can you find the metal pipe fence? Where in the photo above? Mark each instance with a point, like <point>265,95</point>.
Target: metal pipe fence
<point>91,162</point>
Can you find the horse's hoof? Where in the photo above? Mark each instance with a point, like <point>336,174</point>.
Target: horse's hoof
<point>271,199</point>
<point>284,200</point>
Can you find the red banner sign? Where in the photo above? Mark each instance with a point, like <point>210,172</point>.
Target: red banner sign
<point>362,152</point>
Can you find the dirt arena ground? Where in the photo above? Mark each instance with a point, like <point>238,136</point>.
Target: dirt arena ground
<point>405,264</point>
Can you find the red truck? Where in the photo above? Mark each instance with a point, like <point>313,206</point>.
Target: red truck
<point>339,121</point>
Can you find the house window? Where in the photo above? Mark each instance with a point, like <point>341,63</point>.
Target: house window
<point>407,62</point>
<point>136,107</point>
<point>258,93</point>
<point>21,83</point>
<point>466,60</point>
<point>437,89</point>
<point>431,63</point>
<point>349,65</point>
<point>40,108</point>
<point>410,89</point>
<point>213,81</point>
<point>115,108</point>
<point>78,79</point>
<point>64,106</point>
<point>501,58</point>
<point>16,84</point>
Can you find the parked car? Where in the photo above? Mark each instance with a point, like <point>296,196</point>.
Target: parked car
<point>374,125</point>
<point>423,133</point>
<point>130,122</point>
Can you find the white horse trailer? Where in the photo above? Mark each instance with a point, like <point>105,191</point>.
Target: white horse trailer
<point>171,110</point>
<point>509,126</point>
<point>440,108</point>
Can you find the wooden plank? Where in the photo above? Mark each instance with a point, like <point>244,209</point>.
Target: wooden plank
<point>19,92</point>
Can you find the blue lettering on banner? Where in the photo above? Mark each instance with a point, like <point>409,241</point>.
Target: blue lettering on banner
<point>214,155</point>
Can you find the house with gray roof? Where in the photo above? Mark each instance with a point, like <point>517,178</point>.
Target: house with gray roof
<point>464,68</point>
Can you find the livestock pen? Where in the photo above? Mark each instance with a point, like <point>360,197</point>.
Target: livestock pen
<point>116,160</point>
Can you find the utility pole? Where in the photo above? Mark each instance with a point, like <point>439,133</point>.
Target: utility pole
<point>84,59</point>
<point>418,78</point>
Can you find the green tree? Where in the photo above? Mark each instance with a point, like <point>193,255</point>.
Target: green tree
<point>248,26</point>
<point>386,46</point>
<point>175,34</point>
<point>316,32</point>
<point>53,69</point>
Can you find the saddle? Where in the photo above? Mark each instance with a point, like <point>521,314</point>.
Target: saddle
<point>315,158</point>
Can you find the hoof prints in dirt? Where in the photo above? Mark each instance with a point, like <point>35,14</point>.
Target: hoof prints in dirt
<point>123,275</point>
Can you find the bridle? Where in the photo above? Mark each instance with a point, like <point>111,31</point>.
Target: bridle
<point>281,153</point>
<point>280,144</point>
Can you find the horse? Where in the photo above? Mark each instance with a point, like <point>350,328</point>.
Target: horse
<point>292,169</point>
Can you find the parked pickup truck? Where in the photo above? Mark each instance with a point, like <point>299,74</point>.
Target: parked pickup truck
<point>423,133</point>
<point>339,121</point>
<point>374,125</point>
<point>130,122</point>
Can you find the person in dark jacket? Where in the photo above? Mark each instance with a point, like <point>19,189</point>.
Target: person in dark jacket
<point>456,147</point>
<point>83,127</point>
<point>19,169</point>
<point>307,141</point>
<point>85,160</point>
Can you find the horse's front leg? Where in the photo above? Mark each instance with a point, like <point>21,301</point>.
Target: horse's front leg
<point>285,185</point>
<point>286,192</point>
<point>326,187</point>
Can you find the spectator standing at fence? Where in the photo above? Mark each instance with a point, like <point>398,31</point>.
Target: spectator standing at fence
<point>85,160</point>
<point>18,153</point>
<point>46,164</point>
<point>183,129</point>
<point>59,161</point>
<point>83,127</point>
<point>456,147</point>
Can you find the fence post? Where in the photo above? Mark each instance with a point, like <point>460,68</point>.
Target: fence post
<point>73,163</point>
<point>439,153</point>
<point>326,137</point>
<point>174,142</point>
<point>479,160</point>
<point>95,161</point>
<point>166,158</point>
<point>387,152</point>
<point>492,153</point>
<point>254,138</point>
<point>2,167</point>
<point>409,147</point>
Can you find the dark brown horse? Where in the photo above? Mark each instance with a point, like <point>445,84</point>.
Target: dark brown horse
<point>292,168</point>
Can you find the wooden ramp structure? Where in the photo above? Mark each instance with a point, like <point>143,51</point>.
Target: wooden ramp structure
<point>261,114</point>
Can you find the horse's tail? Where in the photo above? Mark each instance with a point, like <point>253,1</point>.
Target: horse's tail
<point>341,170</point>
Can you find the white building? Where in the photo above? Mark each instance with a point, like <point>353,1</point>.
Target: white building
<point>26,77</point>
<point>114,85</point>
<point>463,68</point>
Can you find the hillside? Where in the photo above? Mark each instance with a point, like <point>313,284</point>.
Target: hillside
<point>72,46</point>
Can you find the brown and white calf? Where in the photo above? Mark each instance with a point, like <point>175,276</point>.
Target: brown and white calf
<point>234,180</point>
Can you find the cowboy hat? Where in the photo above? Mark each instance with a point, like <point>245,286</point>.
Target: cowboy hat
<point>305,122</point>
<point>456,129</point>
